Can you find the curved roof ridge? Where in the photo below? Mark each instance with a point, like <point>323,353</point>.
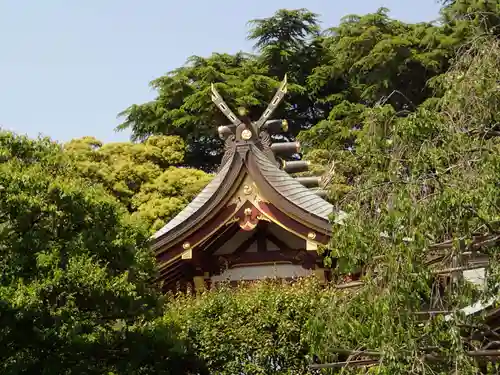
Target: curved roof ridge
<point>199,201</point>
<point>291,189</point>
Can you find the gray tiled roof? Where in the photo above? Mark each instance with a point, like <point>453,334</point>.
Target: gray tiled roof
<point>197,203</point>
<point>291,189</point>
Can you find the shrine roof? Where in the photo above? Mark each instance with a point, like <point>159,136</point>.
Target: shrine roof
<point>258,165</point>
<point>198,202</point>
<point>249,152</point>
<point>291,189</point>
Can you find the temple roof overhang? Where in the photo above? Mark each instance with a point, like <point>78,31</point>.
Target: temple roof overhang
<point>280,195</point>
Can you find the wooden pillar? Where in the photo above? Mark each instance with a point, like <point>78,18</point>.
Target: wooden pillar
<point>311,246</point>
<point>319,272</point>
<point>262,236</point>
<point>199,283</point>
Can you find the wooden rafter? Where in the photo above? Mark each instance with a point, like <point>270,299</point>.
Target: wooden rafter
<point>247,243</point>
<point>281,244</point>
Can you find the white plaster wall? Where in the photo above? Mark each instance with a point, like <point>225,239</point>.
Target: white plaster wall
<point>262,272</point>
<point>254,247</point>
<point>293,242</point>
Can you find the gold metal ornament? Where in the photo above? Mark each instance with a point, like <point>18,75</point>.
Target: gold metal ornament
<point>246,134</point>
<point>284,125</point>
<point>247,190</point>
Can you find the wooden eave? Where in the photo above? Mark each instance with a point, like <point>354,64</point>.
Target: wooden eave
<point>204,207</point>
<point>288,195</point>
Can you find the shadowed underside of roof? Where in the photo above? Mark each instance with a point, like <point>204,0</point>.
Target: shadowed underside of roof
<point>291,189</point>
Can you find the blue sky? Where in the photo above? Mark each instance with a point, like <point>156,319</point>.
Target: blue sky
<point>67,68</point>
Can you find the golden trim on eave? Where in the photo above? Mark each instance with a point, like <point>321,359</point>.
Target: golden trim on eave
<point>270,218</point>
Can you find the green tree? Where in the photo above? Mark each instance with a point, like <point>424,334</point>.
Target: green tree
<point>75,270</point>
<point>290,42</point>
<point>144,177</point>
<point>375,61</point>
<point>481,14</point>
<point>259,328</point>
<point>365,60</point>
<point>423,179</point>
<point>284,40</point>
<point>184,108</point>
<point>286,43</point>
<point>427,178</point>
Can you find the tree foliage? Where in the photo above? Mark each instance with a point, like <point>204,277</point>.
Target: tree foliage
<point>410,174</point>
<point>405,114</point>
<point>183,106</point>
<point>363,61</point>
<point>144,177</point>
<point>461,14</point>
<point>426,178</point>
<point>259,328</point>
<point>75,292</point>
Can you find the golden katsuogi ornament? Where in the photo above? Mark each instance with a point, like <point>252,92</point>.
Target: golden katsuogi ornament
<point>284,125</point>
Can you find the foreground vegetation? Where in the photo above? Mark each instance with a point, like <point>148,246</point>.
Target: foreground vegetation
<point>408,113</point>
<point>428,177</point>
<point>75,295</point>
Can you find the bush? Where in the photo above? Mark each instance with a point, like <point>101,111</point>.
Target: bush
<point>258,328</point>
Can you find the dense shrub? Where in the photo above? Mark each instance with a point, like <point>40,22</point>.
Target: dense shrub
<point>258,328</point>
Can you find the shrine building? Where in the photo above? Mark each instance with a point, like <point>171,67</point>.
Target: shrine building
<point>254,220</point>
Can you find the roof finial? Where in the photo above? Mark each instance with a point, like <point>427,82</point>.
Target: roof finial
<point>217,99</point>
<point>278,97</point>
